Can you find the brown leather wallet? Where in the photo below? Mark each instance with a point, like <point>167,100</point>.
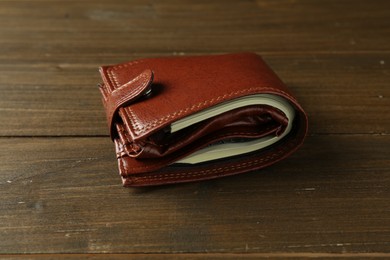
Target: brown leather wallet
<point>181,119</point>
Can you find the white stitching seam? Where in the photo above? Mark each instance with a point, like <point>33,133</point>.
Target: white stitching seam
<point>113,77</point>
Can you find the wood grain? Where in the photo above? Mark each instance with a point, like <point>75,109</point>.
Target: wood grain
<point>333,55</point>
<point>116,28</point>
<point>61,196</point>
<point>342,93</point>
<point>187,256</point>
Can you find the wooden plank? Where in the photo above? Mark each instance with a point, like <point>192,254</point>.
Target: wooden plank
<point>50,56</point>
<point>342,93</point>
<point>67,29</point>
<point>235,256</point>
<point>63,195</point>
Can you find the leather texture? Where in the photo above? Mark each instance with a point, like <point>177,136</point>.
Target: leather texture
<point>144,97</point>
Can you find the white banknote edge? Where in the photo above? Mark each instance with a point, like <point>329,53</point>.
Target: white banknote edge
<point>224,150</point>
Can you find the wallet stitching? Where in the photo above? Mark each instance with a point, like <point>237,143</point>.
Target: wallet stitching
<point>132,117</point>
<point>120,66</point>
<point>113,77</point>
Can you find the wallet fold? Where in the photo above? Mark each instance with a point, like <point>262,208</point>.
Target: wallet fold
<point>181,119</point>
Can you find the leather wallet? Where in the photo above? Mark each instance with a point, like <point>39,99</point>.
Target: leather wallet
<point>182,119</point>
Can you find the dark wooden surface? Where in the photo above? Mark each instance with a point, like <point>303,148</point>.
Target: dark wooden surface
<point>60,193</point>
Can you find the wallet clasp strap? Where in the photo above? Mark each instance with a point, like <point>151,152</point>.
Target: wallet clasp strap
<point>127,94</point>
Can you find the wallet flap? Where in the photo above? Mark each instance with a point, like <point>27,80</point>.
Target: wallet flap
<point>126,94</point>
<point>186,85</point>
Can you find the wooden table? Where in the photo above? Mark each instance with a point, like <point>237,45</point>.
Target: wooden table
<point>61,195</point>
